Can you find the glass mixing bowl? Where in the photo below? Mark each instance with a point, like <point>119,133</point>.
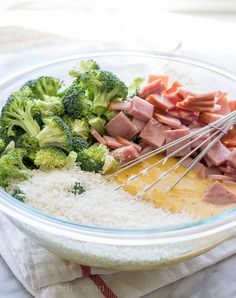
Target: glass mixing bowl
<point>123,249</point>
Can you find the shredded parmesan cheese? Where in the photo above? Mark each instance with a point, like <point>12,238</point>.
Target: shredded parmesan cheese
<point>99,206</point>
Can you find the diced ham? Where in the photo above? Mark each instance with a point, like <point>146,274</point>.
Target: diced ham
<point>197,168</point>
<point>229,143</point>
<point>141,109</point>
<point>229,140</point>
<point>220,177</point>
<point>219,194</point>
<point>232,158</point>
<point>185,92</point>
<point>232,105</point>
<point>119,106</point>
<point>172,94</point>
<point>206,171</point>
<point>156,86</point>
<point>98,137</point>
<point>208,161</point>
<point>218,154</point>
<point>169,120</point>
<point>229,184</point>
<point>121,126</point>
<point>184,115</point>
<point>160,102</point>
<point>138,124</point>
<point>207,118</point>
<point>146,150</point>
<point>172,135</point>
<point>143,145</point>
<point>200,140</point>
<point>216,108</point>
<point>125,154</point>
<point>153,77</point>
<point>189,104</point>
<point>227,169</point>
<point>153,133</point>
<point>112,142</point>
<point>222,100</point>
<point>126,142</point>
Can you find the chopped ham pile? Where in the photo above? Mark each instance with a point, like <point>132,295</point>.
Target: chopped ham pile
<point>164,112</point>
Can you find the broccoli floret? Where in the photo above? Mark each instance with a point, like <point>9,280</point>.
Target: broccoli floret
<point>110,164</point>
<point>77,188</point>
<point>19,111</point>
<point>18,194</point>
<point>30,143</point>
<point>43,86</point>
<point>71,160</point>
<point>95,159</point>
<point>50,106</point>
<point>50,158</point>
<point>98,123</point>
<point>79,144</point>
<point>110,114</point>
<point>134,87</point>
<point>12,166</point>
<point>76,103</point>
<point>2,145</point>
<point>78,127</point>
<point>9,147</point>
<point>83,67</point>
<point>55,134</point>
<point>102,88</point>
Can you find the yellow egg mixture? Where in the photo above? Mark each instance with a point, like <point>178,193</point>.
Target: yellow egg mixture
<point>186,195</point>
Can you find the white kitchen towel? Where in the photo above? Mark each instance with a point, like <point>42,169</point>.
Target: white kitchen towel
<point>46,275</point>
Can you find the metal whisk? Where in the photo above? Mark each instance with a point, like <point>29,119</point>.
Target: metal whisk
<point>215,130</point>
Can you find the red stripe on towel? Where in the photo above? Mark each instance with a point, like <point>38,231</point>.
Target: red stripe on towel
<point>86,271</point>
<point>102,286</point>
<point>98,281</point>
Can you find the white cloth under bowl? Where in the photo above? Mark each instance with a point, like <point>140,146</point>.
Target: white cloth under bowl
<point>46,275</point>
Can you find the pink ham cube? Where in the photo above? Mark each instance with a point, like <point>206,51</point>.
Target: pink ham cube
<point>172,135</point>
<point>121,126</point>
<point>141,109</point>
<point>125,154</point>
<point>153,133</point>
<point>218,154</point>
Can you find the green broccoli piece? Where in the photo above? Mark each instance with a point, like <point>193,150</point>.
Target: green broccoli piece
<point>98,124</point>
<point>110,114</point>
<point>50,158</point>
<point>18,194</point>
<point>42,86</point>
<point>84,66</point>
<point>134,87</point>
<point>110,164</point>
<point>55,134</point>
<point>77,189</point>
<point>79,144</point>
<point>12,166</point>
<point>76,104</point>
<point>78,127</point>
<point>9,147</point>
<point>2,145</point>
<point>95,159</point>
<point>50,106</point>
<point>19,111</point>
<point>102,88</point>
<point>71,160</point>
<point>30,143</point>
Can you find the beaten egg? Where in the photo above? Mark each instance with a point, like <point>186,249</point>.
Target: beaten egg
<point>187,195</point>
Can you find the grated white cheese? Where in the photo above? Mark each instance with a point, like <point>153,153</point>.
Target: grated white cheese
<point>99,206</point>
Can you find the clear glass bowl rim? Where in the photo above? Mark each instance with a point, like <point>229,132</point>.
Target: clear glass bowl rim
<point>38,219</point>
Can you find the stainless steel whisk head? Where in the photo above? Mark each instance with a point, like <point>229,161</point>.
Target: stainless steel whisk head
<point>215,130</point>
